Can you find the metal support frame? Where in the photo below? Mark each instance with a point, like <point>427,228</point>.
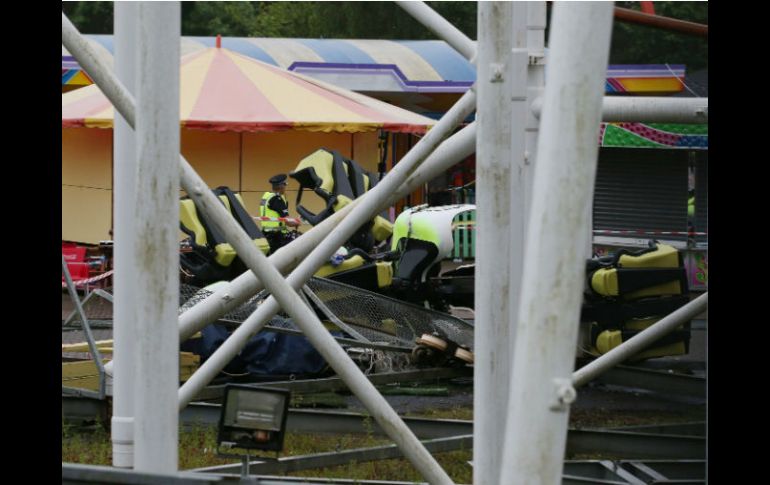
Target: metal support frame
<point>86,328</point>
<point>648,109</point>
<point>125,237</point>
<point>156,223</point>
<point>554,267</point>
<point>502,75</point>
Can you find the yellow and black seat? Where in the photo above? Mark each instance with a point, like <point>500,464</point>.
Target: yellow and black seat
<point>630,291</point>
<point>338,181</point>
<point>359,269</point>
<point>211,257</point>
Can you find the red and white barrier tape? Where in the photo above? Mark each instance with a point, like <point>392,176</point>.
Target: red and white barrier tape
<point>89,280</point>
<point>651,233</point>
<point>468,225</point>
<point>278,219</point>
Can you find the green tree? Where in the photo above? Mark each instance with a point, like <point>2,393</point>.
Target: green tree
<point>231,19</point>
<point>90,17</point>
<point>641,44</point>
<point>357,20</point>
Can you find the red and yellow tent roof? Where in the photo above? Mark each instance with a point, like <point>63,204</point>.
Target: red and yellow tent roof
<point>221,90</point>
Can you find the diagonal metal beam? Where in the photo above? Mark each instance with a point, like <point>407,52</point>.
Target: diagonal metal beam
<point>86,327</point>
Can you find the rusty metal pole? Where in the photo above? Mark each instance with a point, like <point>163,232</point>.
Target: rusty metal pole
<point>666,23</point>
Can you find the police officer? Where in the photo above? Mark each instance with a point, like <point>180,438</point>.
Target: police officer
<point>274,205</point>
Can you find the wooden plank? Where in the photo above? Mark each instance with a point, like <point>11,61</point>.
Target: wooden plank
<point>84,374</point>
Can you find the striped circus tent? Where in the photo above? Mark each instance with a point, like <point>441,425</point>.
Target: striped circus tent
<point>222,90</point>
<point>243,121</point>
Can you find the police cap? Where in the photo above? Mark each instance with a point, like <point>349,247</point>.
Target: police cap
<point>279,179</point>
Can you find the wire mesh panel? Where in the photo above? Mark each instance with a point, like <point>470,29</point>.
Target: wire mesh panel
<point>97,308</point>
<point>388,318</point>
<point>380,319</point>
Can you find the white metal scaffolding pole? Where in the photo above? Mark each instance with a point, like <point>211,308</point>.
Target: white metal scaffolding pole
<point>502,112</point>
<point>554,264</point>
<point>536,20</point>
<point>125,282</point>
<point>647,109</point>
<point>156,254</point>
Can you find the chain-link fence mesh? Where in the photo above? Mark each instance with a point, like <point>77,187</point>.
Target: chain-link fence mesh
<point>97,308</point>
<point>378,318</point>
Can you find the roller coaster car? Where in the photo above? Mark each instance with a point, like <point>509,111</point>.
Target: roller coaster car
<point>338,180</point>
<point>422,236</point>
<point>211,258</point>
<point>628,292</point>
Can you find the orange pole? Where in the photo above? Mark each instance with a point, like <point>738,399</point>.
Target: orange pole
<point>683,26</point>
<point>648,7</point>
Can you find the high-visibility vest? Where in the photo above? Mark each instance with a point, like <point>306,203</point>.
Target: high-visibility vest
<point>266,211</point>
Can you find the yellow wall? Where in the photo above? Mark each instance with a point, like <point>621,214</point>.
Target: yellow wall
<point>86,184</point>
<point>86,214</point>
<point>366,150</point>
<point>86,156</point>
<point>216,156</point>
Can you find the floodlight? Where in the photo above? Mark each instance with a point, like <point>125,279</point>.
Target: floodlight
<point>253,418</point>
